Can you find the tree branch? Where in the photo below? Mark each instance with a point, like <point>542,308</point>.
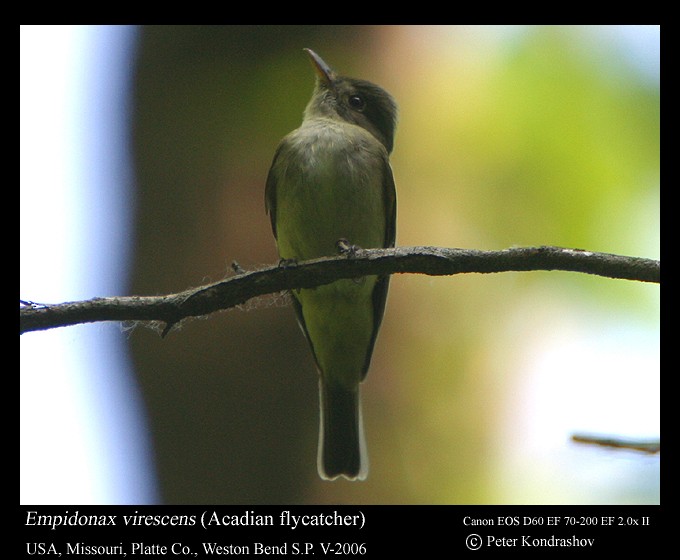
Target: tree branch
<point>651,447</point>
<point>236,290</point>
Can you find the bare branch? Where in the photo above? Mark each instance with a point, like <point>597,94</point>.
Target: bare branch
<point>651,447</point>
<point>236,290</point>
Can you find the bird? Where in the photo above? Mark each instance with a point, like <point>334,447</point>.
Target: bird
<point>331,182</point>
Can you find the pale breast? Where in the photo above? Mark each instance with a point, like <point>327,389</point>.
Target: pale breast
<point>330,186</point>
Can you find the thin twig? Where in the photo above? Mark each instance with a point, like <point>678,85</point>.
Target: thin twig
<point>650,447</point>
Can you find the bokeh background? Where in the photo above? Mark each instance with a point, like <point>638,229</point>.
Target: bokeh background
<point>144,153</point>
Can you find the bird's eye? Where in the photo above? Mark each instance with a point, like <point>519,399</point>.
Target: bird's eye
<point>356,102</point>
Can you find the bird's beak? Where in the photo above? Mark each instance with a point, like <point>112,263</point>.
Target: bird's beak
<point>323,71</point>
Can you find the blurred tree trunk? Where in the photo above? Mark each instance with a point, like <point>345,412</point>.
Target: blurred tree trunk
<point>232,401</point>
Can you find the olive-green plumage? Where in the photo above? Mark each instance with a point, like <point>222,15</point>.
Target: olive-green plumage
<point>331,180</point>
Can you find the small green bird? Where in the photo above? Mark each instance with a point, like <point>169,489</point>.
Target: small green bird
<point>330,180</point>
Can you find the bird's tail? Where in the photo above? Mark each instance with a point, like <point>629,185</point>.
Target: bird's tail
<point>342,447</point>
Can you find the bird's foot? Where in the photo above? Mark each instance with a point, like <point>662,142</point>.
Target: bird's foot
<point>344,247</point>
